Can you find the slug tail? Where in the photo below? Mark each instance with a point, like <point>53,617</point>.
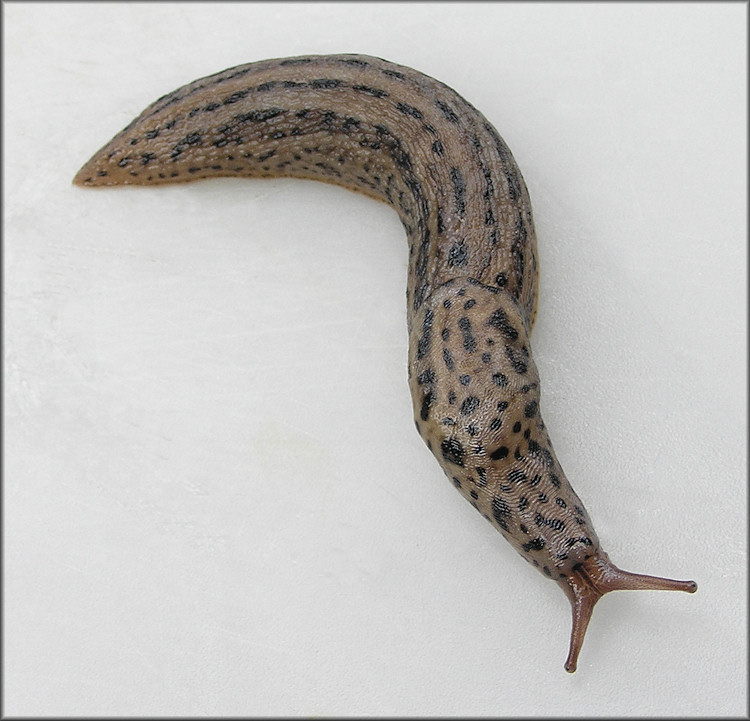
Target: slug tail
<point>84,177</point>
<point>590,580</point>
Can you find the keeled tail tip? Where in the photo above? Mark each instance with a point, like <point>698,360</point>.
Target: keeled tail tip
<point>83,177</point>
<point>93,174</point>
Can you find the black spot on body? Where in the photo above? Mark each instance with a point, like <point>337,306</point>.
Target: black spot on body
<point>355,61</point>
<point>423,345</point>
<point>447,111</point>
<point>459,190</point>
<point>426,403</point>
<point>516,475</point>
<point>427,376</point>
<point>453,451</point>
<point>470,343</point>
<point>499,453</point>
<point>448,358</point>
<point>469,405</point>
<point>235,97</point>
<point>375,92</point>
<point>458,254</point>
<point>499,320</point>
<point>518,364</point>
<point>409,110</point>
<point>259,116</point>
<point>501,511</point>
<point>537,544</point>
<point>325,83</point>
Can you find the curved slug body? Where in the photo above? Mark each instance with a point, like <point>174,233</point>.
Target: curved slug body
<point>407,139</point>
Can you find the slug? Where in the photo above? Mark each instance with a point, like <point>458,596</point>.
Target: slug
<point>405,138</point>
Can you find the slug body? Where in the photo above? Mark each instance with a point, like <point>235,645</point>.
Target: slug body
<point>409,140</point>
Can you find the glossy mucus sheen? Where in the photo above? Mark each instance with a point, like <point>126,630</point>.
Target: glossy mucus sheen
<point>409,140</point>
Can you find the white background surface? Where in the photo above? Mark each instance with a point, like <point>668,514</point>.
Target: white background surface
<point>215,499</point>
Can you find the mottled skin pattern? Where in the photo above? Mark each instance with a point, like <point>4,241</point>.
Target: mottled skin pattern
<point>476,400</point>
<point>409,140</point>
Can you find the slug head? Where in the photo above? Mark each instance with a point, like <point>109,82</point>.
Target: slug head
<point>590,580</point>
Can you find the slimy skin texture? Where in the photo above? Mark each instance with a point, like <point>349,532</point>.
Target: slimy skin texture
<point>409,140</point>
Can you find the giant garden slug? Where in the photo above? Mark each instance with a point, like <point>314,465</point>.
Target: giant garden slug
<point>409,140</point>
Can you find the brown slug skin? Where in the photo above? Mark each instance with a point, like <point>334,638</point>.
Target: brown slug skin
<point>409,140</point>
